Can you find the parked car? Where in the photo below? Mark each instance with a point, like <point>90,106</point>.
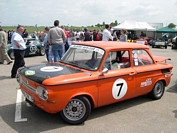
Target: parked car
<point>141,41</point>
<point>33,47</point>
<point>159,43</point>
<point>174,44</point>
<point>94,74</point>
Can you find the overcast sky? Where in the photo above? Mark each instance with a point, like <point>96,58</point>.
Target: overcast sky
<point>83,13</point>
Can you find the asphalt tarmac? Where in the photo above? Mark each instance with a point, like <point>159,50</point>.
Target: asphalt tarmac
<point>138,115</point>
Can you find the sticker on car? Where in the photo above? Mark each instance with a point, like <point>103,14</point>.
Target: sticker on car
<point>119,88</point>
<point>89,48</point>
<point>146,83</point>
<point>51,69</point>
<point>33,49</point>
<point>29,72</point>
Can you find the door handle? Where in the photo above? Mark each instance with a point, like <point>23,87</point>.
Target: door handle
<point>132,73</point>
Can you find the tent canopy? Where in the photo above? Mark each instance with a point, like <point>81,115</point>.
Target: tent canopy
<point>166,30</point>
<point>134,25</point>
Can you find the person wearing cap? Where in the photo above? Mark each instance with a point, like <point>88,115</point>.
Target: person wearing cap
<point>3,47</point>
<point>107,34</point>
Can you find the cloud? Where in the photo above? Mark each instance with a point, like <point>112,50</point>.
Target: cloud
<point>84,13</point>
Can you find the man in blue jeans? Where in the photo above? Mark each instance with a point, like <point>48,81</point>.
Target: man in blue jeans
<point>56,38</point>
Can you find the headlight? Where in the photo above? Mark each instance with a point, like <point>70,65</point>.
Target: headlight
<point>19,79</point>
<point>42,93</point>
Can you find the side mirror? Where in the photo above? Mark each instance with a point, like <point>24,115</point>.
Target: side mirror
<point>104,71</point>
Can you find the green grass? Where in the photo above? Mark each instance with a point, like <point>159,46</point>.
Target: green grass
<point>31,29</point>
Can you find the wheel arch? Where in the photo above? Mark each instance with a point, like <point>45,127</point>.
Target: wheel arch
<point>163,80</point>
<point>88,96</point>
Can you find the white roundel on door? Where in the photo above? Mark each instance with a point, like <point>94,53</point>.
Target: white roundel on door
<point>119,88</point>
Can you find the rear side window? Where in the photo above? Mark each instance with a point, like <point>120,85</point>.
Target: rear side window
<point>141,58</point>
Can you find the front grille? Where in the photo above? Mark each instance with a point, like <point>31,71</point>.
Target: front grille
<point>29,87</point>
<point>165,70</point>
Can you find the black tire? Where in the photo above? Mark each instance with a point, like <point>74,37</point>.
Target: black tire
<point>11,55</point>
<point>165,47</point>
<point>42,51</point>
<point>152,46</point>
<point>158,90</point>
<point>73,113</point>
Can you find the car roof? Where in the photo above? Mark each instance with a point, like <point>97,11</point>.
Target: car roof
<point>114,45</point>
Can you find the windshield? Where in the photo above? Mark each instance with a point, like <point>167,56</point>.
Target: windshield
<point>85,57</point>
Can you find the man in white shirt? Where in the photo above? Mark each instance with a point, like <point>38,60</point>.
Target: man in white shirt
<point>106,34</point>
<point>19,47</point>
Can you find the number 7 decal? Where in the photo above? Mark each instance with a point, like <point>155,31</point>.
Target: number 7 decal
<point>119,88</point>
<point>121,84</point>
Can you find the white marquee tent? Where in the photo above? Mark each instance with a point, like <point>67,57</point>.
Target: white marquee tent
<point>134,25</point>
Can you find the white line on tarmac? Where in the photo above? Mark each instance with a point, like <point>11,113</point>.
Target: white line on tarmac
<point>18,110</point>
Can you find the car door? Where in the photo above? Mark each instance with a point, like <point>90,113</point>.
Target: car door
<point>117,84</point>
<point>146,71</point>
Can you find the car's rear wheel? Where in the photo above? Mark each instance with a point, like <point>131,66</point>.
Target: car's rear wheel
<point>152,46</point>
<point>76,111</point>
<point>11,55</point>
<point>165,47</point>
<point>42,51</point>
<point>158,90</point>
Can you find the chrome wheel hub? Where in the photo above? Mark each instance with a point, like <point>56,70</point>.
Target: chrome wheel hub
<point>75,110</point>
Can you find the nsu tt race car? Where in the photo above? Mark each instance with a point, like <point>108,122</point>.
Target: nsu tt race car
<point>33,47</point>
<point>94,74</point>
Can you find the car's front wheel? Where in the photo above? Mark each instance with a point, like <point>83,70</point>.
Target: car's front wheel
<point>76,111</point>
<point>42,51</point>
<point>11,55</point>
<point>158,90</point>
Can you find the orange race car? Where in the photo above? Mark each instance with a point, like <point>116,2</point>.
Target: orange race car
<point>94,74</point>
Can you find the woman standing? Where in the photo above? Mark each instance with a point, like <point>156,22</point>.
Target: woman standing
<point>46,44</point>
<point>123,36</point>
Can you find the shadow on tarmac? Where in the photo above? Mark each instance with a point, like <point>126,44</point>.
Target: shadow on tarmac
<point>173,89</point>
<point>40,121</point>
<point>4,77</point>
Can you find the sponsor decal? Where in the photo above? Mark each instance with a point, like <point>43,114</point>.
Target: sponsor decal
<point>30,72</point>
<point>88,48</point>
<point>119,88</point>
<point>146,83</point>
<point>51,69</point>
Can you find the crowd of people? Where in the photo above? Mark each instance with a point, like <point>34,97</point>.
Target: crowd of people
<point>55,42</point>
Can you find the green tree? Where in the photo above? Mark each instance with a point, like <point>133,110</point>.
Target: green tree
<point>103,23</point>
<point>112,24</point>
<point>116,23</point>
<point>98,25</point>
<point>171,25</point>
